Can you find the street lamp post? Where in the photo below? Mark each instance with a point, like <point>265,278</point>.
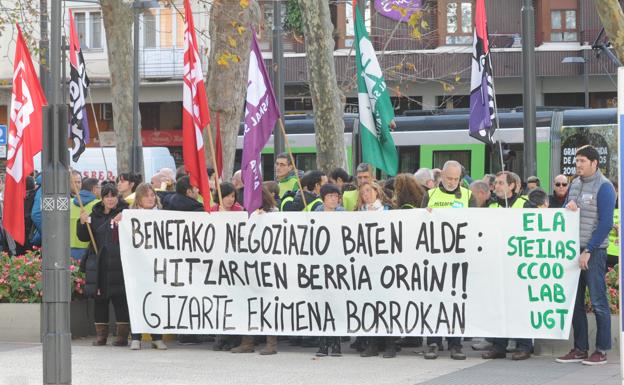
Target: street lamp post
<point>528,74</point>
<point>278,74</point>
<point>583,61</point>
<point>136,160</point>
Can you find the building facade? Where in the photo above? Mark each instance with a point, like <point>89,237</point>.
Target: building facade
<point>426,58</point>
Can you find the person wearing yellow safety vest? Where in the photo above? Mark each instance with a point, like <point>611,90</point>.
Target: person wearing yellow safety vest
<point>311,183</point>
<point>505,186</point>
<point>89,195</point>
<point>364,174</point>
<point>285,175</point>
<point>342,179</point>
<point>449,194</point>
<point>613,250</point>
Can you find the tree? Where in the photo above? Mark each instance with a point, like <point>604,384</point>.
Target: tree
<point>612,18</point>
<point>118,20</point>
<point>327,100</point>
<point>230,39</point>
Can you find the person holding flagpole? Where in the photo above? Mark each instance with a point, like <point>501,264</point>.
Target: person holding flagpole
<point>25,138</point>
<point>195,112</point>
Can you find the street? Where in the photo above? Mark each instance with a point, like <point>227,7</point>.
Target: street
<point>198,364</point>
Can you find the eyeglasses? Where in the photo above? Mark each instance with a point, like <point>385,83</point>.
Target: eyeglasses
<point>561,184</point>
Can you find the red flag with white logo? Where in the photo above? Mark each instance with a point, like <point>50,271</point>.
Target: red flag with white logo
<point>195,114</point>
<point>25,138</point>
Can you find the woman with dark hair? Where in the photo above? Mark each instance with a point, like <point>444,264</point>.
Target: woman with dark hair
<point>408,193</point>
<point>228,194</point>
<point>127,183</point>
<point>105,281</point>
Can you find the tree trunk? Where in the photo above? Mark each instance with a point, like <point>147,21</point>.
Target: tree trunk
<point>327,100</point>
<point>612,19</point>
<point>230,38</point>
<point>118,18</point>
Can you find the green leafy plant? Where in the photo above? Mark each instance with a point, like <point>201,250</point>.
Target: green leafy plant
<point>612,278</point>
<point>21,278</point>
<point>293,21</point>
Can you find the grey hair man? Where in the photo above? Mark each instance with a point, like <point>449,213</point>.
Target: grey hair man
<point>424,176</point>
<point>481,191</point>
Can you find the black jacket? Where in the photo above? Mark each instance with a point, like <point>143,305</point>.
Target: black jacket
<point>297,203</point>
<point>179,202</point>
<point>104,272</point>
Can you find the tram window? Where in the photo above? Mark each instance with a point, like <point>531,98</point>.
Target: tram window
<point>268,168</point>
<point>238,159</point>
<point>441,157</point>
<point>305,162</point>
<point>409,159</point>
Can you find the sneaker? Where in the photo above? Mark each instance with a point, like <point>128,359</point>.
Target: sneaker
<point>575,355</point>
<point>135,345</point>
<point>457,354</point>
<point>596,358</point>
<point>432,352</point>
<point>159,345</point>
<point>322,351</point>
<point>482,345</point>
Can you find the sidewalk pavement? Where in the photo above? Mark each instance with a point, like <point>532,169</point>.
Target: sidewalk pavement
<point>21,364</point>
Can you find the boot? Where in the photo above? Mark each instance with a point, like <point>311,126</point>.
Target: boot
<point>391,348</point>
<point>372,349</point>
<point>323,347</point>
<point>246,346</point>
<point>271,346</point>
<point>101,334</point>
<point>123,330</point>
<point>219,343</point>
<point>336,348</point>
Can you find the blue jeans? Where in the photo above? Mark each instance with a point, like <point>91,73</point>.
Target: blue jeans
<point>594,279</point>
<point>78,254</point>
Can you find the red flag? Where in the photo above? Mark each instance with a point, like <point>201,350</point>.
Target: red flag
<point>219,148</point>
<point>195,114</point>
<point>25,137</point>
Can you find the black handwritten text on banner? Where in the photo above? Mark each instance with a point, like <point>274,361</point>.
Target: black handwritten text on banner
<point>472,272</point>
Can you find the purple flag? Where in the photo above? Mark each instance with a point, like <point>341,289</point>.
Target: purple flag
<point>399,10</point>
<point>261,113</point>
<point>482,111</point>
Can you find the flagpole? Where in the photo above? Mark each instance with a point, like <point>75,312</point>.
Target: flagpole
<point>214,164</point>
<point>292,160</point>
<point>97,128</point>
<point>82,209</point>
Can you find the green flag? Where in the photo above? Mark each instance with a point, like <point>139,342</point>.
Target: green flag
<point>376,111</point>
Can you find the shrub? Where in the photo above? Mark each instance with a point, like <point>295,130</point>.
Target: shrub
<point>612,279</point>
<point>21,278</point>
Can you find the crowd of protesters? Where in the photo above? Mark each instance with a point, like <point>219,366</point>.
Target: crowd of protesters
<point>96,206</point>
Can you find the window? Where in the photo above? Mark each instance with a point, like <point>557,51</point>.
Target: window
<point>563,25</point>
<point>89,29</point>
<point>162,28</point>
<point>459,23</point>
<point>441,157</point>
<point>149,29</point>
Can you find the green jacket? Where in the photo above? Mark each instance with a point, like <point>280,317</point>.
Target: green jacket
<point>74,217</point>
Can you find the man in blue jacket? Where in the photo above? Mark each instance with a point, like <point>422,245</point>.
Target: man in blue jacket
<point>594,195</point>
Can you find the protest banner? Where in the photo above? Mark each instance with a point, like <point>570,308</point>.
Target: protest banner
<point>471,272</point>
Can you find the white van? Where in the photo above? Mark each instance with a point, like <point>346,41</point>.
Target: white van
<point>91,162</point>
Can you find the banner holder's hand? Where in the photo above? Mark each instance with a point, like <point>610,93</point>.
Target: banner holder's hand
<point>584,260</point>
<point>572,206</point>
